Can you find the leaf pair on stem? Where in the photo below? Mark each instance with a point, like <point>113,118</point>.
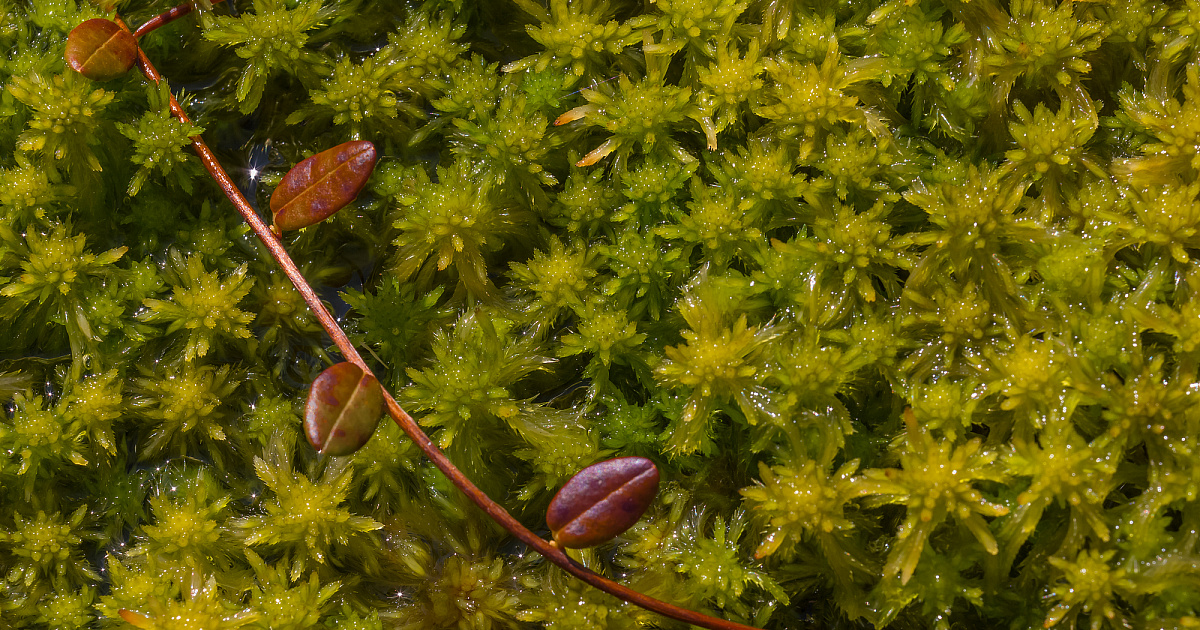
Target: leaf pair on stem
<point>597,504</point>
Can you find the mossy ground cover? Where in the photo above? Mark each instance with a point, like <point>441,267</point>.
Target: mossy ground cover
<point>898,295</point>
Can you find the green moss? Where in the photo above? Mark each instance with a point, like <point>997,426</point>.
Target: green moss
<point>162,143</point>
<point>902,298</point>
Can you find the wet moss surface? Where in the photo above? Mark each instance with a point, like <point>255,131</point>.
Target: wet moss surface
<point>897,295</point>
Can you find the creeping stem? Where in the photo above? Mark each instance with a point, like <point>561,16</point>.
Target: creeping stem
<point>170,15</point>
<point>410,427</point>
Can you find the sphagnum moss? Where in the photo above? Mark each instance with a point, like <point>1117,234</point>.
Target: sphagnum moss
<point>771,230</point>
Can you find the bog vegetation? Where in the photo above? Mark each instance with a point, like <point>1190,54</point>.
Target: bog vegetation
<point>898,295</point>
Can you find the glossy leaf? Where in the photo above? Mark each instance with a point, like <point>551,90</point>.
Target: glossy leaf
<point>601,501</point>
<point>135,619</point>
<point>100,50</point>
<point>344,406</point>
<point>321,185</point>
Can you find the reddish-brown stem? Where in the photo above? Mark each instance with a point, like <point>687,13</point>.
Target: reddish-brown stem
<point>166,17</point>
<point>494,510</point>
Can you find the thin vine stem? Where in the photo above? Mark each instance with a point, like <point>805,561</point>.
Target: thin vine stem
<point>494,510</point>
<point>166,17</point>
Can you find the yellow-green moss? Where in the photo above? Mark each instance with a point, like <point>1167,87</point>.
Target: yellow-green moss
<point>901,296</point>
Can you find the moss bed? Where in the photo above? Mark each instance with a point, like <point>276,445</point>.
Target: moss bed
<point>898,295</point>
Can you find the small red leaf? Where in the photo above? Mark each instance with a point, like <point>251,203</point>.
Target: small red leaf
<point>601,501</point>
<point>100,50</point>
<point>344,406</point>
<point>321,185</point>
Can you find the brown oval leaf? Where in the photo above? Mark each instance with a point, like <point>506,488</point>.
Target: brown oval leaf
<point>321,185</point>
<point>344,406</point>
<point>100,50</point>
<point>602,501</point>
